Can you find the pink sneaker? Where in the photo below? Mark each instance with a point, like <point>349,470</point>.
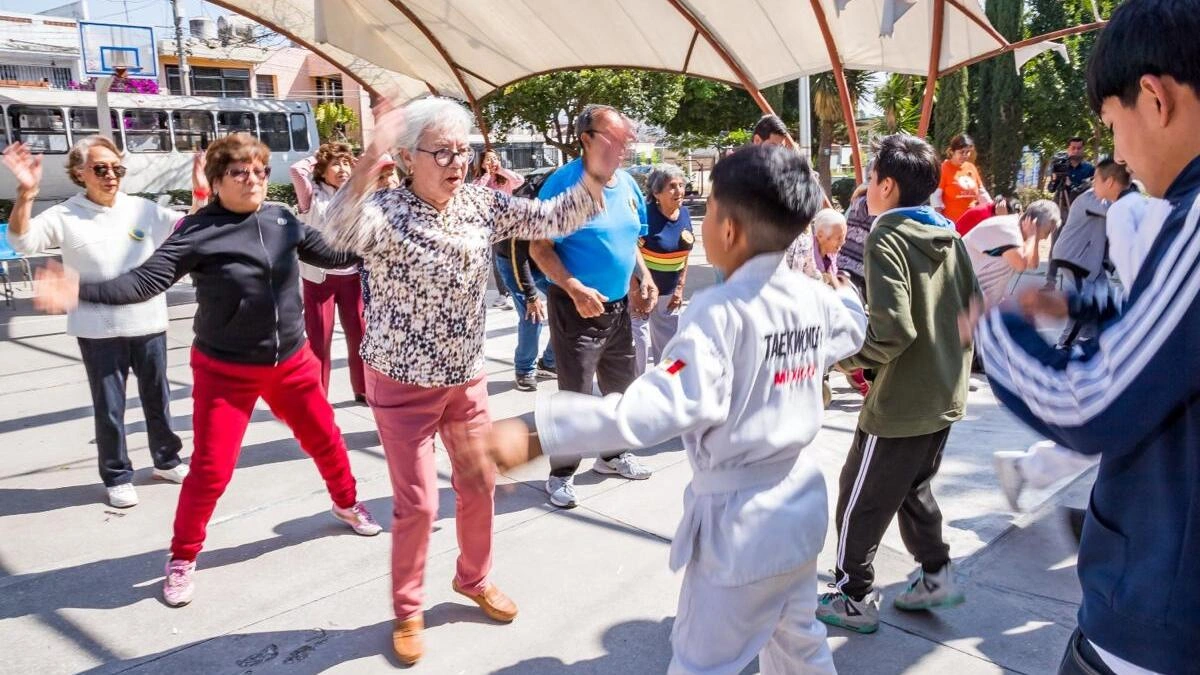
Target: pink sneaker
<point>178,586</point>
<point>358,518</point>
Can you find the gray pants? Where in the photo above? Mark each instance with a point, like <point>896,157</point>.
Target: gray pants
<point>651,335</point>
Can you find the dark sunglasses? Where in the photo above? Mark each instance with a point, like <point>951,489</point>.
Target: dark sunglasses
<point>243,175</point>
<point>101,170</point>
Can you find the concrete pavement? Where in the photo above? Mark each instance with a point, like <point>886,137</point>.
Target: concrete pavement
<point>283,587</point>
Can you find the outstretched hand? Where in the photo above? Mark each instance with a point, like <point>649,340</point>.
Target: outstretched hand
<point>510,444</point>
<point>25,166</point>
<point>57,289</point>
<point>390,123</point>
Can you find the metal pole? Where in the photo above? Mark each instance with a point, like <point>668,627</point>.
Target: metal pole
<point>185,72</point>
<point>805,140</point>
<point>103,116</point>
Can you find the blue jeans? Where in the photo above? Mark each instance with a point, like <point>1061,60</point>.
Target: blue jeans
<point>528,332</point>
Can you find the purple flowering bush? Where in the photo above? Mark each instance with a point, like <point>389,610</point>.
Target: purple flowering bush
<point>131,85</point>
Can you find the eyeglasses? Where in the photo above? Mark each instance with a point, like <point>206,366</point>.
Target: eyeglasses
<point>243,175</point>
<point>102,170</point>
<point>445,156</point>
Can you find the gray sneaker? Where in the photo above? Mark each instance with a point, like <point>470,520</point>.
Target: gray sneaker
<point>561,491</point>
<point>1012,481</point>
<point>624,465</point>
<point>839,609</point>
<point>931,591</point>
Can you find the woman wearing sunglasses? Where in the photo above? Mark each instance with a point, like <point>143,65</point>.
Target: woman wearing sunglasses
<point>104,232</point>
<point>426,246</point>
<point>244,259</point>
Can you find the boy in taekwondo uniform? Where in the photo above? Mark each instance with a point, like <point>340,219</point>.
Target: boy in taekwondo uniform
<point>741,383</point>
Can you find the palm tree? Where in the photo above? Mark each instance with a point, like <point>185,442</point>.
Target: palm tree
<point>901,108</point>
<point>827,106</point>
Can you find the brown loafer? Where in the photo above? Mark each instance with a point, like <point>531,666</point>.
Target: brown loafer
<point>406,639</point>
<point>497,605</point>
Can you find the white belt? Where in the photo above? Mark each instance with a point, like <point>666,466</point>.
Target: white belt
<point>714,481</point>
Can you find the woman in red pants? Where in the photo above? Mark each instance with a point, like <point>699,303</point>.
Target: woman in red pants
<point>244,259</point>
<point>316,179</point>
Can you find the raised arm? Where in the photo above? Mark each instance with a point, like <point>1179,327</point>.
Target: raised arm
<point>301,175</point>
<point>25,233</point>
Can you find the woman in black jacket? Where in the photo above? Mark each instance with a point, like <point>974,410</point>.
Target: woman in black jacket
<point>244,260</point>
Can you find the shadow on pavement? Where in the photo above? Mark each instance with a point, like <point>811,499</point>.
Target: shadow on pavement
<point>639,646</point>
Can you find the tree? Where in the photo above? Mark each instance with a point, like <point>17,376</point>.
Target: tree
<point>900,99</point>
<point>335,122</point>
<point>998,119</point>
<point>950,111</point>
<point>827,108</point>
<point>550,103</point>
<point>708,112</point>
<point>1056,106</point>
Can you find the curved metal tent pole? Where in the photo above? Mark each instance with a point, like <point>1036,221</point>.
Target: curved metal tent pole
<point>839,76</point>
<point>935,59</point>
<point>719,47</point>
<point>1038,39</point>
<point>457,72</point>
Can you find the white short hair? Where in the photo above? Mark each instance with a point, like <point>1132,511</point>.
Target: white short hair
<point>827,219</point>
<point>430,114</point>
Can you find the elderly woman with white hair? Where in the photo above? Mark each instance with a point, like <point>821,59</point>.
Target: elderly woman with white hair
<point>425,246</point>
<point>665,247</point>
<point>104,232</point>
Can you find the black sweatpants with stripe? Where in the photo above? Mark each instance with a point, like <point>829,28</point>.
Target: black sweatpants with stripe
<point>883,478</point>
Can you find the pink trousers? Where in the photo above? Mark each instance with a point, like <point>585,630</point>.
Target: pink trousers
<point>408,416</point>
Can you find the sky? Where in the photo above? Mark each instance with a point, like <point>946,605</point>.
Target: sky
<point>154,12</point>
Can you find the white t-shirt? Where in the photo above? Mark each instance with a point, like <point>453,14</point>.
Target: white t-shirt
<point>100,243</point>
<point>986,244</point>
<point>1132,224</point>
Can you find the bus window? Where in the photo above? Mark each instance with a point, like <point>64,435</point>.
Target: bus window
<point>233,122</point>
<point>273,130</point>
<point>3,131</point>
<point>42,129</point>
<point>146,130</point>
<point>300,132</point>
<point>193,129</point>
<point>85,122</point>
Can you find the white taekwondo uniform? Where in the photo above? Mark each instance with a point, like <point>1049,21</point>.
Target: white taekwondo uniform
<point>741,384</point>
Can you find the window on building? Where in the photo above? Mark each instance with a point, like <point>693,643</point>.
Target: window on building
<point>329,89</point>
<point>57,78</point>
<point>233,121</point>
<point>42,129</point>
<point>146,130</point>
<point>218,82</point>
<point>265,84</point>
<point>300,133</point>
<point>273,130</point>
<point>86,121</point>
<point>193,129</point>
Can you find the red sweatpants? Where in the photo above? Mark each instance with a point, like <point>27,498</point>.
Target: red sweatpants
<point>344,291</point>
<point>224,395</point>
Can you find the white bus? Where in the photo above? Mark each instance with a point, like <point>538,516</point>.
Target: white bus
<point>159,134</point>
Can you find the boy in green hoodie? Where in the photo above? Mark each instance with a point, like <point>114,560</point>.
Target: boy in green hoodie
<point>919,279</point>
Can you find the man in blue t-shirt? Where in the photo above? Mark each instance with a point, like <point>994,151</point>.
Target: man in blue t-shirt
<point>596,272</point>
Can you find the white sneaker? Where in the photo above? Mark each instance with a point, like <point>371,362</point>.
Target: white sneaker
<point>561,491</point>
<point>1009,473</point>
<point>122,496</point>
<point>502,302</point>
<point>930,591</point>
<point>358,518</point>
<point>624,465</point>
<point>175,474</point>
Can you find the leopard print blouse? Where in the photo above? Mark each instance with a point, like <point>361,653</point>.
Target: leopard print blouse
<point>429,270</point>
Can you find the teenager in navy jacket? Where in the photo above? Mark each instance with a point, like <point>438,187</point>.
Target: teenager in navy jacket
<point>1131,396</point>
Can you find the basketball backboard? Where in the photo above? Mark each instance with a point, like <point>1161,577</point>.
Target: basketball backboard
<point>109,46</point>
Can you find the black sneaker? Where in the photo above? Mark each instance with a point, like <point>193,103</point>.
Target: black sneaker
<point>526,381</point>
<point>546,371</point>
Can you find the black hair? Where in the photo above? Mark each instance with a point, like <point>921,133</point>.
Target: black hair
<point>1147,37</point>
<point>1111,168</point>
<point>769,125</point>
<point>1074,139</point>
<point>1014,205</point>
<point>961,141</point>
<point>770,190</point>
<point>912,163</point>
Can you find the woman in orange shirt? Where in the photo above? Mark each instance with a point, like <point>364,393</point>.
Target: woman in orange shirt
<point>961,187</point>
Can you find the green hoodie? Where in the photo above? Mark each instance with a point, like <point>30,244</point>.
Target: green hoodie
<point>919,279</point>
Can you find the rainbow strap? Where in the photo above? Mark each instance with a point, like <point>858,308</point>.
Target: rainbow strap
<point>665,262</point>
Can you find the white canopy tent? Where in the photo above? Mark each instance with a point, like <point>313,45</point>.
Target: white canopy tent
<point>467,49</point>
